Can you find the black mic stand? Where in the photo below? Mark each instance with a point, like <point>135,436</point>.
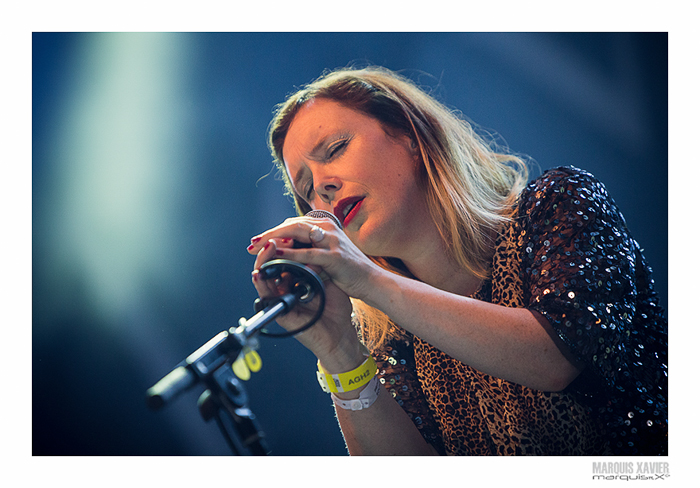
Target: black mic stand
<point>224,398</point>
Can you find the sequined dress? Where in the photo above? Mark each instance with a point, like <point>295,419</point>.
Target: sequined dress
<point>568,255</point>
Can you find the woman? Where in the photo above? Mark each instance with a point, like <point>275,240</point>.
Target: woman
<point>503,318</point>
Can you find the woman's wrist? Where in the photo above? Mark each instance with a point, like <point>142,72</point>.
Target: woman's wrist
<point>350,395</point>
<point>349,385</point>
<point>379,285</point>
<point>371,284</point>
<point>346,356</point>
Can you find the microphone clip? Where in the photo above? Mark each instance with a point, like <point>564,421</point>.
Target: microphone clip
<point>297,283</point>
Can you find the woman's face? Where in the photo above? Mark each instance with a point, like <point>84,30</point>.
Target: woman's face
<point>344,162</point>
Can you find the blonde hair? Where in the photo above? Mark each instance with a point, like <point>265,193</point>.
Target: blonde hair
<point>471,188</point>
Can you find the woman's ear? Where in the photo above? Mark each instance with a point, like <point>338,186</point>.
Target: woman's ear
<point>415,150</point>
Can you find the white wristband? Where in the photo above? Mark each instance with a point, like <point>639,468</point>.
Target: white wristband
<point>367,397</point>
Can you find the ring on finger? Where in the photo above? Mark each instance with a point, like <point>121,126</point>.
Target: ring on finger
<point>316,234</point>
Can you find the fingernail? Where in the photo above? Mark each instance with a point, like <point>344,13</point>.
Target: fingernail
<point>279,252</point>
<point>267,244</point>
<point>255,240</point>
<point>251,247</point>
<point>255,274</point>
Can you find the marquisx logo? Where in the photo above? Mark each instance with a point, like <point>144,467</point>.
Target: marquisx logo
<point>631,471</point>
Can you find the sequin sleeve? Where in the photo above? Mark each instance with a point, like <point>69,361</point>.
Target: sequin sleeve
<point>587,276</point>
<point>582,270</point>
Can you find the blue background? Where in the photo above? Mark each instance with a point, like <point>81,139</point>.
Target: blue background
<point>151,174</point>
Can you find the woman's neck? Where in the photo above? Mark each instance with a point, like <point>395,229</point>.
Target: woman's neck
<point>432,264</point>
<point>446,276</point>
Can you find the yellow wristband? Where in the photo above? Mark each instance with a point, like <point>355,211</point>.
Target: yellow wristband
<point>352,380</point>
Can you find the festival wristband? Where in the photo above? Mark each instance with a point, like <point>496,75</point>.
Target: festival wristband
<point>352,380</point>
<point>367,397</point>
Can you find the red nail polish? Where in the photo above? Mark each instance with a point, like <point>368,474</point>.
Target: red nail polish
<point>255,240</point>
<point>251,247</point>
<point>267,244</point>
<point>279,252</point>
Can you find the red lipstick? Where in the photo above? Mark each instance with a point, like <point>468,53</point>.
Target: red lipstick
<point>347,208</point>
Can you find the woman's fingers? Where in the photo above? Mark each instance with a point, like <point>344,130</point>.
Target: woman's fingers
<point>301,229</point>
<point>265,288</point>
<point>278,243</point>
<point>265,253</point>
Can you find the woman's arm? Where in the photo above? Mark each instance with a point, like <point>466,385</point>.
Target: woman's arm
<point>509,343</point>
<point>383,429</point>
<point>515,344</point>
<point>503,342</point>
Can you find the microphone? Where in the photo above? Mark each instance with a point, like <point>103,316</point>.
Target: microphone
<point>200,366</point>
<point>318,214</point>
<point>321,214</point>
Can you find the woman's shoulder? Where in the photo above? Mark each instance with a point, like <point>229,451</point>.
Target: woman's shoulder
<point>561,179</point>
<point>563,189</point>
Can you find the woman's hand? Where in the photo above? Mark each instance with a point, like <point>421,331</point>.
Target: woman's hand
<point>333,338</point>
<point>332,251</point>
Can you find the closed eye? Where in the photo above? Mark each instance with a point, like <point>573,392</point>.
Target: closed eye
<point>336,148</point>
<point>332,151</point>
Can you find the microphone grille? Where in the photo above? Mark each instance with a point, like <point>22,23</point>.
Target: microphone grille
<point>324,214</point>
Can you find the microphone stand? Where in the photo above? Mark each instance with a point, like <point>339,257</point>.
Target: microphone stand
<point>225,398</point>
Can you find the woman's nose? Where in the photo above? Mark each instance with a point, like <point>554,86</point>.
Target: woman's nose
<point>327,188</point>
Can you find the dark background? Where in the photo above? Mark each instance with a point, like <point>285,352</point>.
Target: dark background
<point>148,163</point>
